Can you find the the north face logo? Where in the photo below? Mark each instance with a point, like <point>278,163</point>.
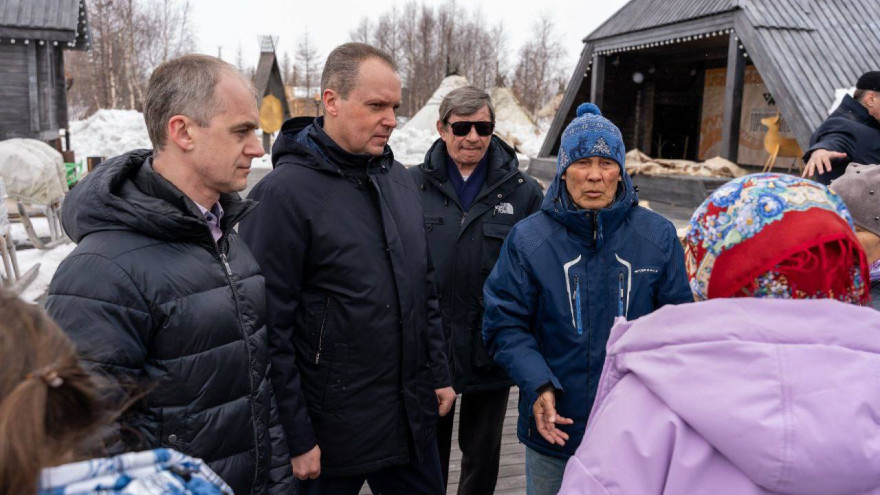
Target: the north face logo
<point>504,208</point>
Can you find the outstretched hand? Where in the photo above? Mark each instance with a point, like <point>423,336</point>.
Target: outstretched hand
<point>546,418</point>
<point>820,161</point>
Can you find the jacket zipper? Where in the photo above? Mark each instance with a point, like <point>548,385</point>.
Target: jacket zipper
<point>250,363</point>
<point>595,226</point>
<point>321,331</point>
<point>577,305</point>
<point>620,301</point>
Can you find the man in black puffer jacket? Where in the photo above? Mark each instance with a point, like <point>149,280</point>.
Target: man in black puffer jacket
<point>357,347</point>
<point>472,193</point>
<point>161,293</point>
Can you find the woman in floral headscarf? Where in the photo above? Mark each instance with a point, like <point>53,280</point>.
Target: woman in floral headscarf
<point>770,386</point>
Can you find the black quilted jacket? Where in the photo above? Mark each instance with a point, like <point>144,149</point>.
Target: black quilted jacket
<point>151,300</point>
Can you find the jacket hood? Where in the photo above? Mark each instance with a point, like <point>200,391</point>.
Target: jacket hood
<point>311,147</point>
<point>854,110</point>
<point>785,390</point>
<point>124,193</point>
<point>502,161</point>
<point>560,207</point>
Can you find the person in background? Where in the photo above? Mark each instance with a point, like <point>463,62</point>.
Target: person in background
<point>850,134</point>
<point>357,347</point>
<point>162,294</point>
<point>591,255</point>
<point>768,384</point>
<point>859,187</point>
<point>472,193</point>
<point>51,411</point>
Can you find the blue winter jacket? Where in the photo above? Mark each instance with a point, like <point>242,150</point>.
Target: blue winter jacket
<point>563,276</point>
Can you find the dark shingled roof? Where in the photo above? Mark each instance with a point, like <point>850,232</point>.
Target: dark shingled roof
<point>52,20</point>
<point>803,49</point>
<point>650,14</point>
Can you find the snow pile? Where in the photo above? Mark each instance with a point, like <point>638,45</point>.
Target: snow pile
<point>410,145</point>
<point>507,108</point>
<point>109,133</point>
<point>838,97</point>
<point>426,118</point>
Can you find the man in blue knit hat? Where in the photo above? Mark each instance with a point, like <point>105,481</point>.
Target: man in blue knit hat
<point>564,274</point>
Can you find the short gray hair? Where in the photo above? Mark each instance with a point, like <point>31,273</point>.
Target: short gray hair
<point>467,100</point>
<point>184,86</point>
<point>341,68</point>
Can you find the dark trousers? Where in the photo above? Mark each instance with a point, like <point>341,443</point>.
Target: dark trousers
<point>421,476</point>
<point>480,423</point>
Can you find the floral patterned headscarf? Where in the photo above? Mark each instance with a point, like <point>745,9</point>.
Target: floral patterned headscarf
<point>774,235</point>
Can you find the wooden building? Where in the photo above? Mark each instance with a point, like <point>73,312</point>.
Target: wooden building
<point>692,78</point>
<point>33,37</point>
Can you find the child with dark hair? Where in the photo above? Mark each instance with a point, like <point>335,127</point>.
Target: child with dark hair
<point>50,412</point>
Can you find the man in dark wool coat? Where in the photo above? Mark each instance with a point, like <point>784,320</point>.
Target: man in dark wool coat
<point>850,134</point>
<point>473,193</point>
<point>357,346</point>
<point>161,293</point>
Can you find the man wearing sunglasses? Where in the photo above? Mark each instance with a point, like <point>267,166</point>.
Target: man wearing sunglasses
<point>472,194</point>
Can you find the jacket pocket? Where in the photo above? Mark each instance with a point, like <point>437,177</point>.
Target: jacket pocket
<point>432,221</point>
<point>322,328</point>
<point>494,235</point>
<point>337,383</point>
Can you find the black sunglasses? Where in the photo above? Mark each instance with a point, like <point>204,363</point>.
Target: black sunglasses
<point>464,128</point>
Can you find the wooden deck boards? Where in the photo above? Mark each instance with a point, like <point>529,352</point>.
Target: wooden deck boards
<point>511,472</point>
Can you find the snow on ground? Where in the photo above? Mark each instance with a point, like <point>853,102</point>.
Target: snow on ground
<point>28,257</point>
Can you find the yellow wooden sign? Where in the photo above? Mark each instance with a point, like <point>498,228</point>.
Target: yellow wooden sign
<point>271,114</point>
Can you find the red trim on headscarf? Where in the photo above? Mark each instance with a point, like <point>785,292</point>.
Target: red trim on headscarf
<point>828,251</point>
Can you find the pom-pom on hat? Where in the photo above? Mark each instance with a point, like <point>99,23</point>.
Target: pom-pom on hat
<point>590,134</point>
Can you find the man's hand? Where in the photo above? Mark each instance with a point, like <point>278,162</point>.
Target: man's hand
<point>546,418</point>
<point>308,465</point>
<point>820,161</point>
<point>446,398</point>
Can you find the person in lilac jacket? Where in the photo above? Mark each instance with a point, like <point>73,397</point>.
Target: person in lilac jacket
<point>772,386</point>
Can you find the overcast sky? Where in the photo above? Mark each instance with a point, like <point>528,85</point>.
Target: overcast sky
<point>227,24</point>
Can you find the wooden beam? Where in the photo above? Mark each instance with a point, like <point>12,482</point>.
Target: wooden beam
<point>733,96</point>
<point>48,87</point>
<point>33,88</point>
<point>597,88</point>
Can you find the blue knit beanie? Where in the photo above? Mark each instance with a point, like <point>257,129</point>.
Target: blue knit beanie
<point>590,134</point>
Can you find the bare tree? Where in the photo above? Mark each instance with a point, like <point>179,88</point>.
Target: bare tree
<point>287,69</point>
<point>538,69</point>
<point>307,62</point>
<point>128,39</point>
<point>429,43</point>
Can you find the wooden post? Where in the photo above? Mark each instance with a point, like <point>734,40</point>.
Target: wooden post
<point>597,86</point>
<point>733,96</point>
<point>94,161</point>
<point>33,88</point>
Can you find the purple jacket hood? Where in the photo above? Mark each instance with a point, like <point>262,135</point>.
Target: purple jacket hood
<point>782,395</point>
